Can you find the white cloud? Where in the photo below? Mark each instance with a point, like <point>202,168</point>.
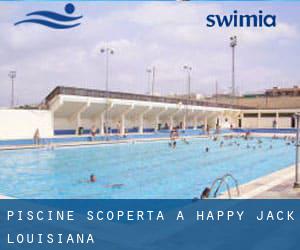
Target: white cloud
<point>167,35</point>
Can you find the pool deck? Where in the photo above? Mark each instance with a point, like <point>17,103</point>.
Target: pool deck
<point>131,140</point>
<point>277,185</point>
<point>5,197</point>
<point>98,142</point>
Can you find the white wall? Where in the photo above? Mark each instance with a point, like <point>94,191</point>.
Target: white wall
<point>249,122</point>
<point>64,123</point>
<point>284,122</point>
<point>22,124</point>
<point>266,122</point>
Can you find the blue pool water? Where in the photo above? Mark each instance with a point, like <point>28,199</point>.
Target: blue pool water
<point>147,170</point>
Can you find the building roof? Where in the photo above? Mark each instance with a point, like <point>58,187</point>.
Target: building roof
<point>60,90</point>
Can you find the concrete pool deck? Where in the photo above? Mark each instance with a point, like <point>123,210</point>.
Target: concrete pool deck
<point>130,140</point>
<point>100,142</point>
<point>277,185</point>
<point>5,197</point>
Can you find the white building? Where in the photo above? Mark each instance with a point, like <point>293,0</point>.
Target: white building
<point>74,108</point>
<point>70,109</point>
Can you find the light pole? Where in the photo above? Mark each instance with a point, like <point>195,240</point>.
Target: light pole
<point>153,79</point>
<point>149,72</point>
<point>217,91</point>
<point>233,44</point>
<point>12,75</point>
<point>107,51</point>
<point>188,69</point>
<point>297,181</point>
<point>153,72</point>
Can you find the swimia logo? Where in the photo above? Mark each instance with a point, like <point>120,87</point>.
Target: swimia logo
<point>242,20</point>
<point>52,19</point>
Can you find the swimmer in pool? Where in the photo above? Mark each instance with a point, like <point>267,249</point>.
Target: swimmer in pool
<point>185,141</point>
<point>117,185</point>
<point>93,178</point>
<point>207,149</point>
<point>205,193</point>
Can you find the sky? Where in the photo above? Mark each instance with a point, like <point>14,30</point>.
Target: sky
<point>144,34</point>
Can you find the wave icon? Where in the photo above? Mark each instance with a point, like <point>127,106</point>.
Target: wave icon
<point>55,20</point>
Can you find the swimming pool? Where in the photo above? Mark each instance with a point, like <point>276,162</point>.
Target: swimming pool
<point>147,170</point>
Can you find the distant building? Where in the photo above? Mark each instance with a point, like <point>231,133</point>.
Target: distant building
<point>193,96</point>
<point>274,92</point>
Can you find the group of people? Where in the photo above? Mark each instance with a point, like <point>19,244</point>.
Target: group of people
<point>258,144</point>
<point>174,135</point>
<point>106,130</point>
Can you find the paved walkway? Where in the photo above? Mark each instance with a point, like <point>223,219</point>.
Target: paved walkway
<point>278,185</point>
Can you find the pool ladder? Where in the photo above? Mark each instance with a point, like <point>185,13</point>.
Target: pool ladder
<point>223,180</point>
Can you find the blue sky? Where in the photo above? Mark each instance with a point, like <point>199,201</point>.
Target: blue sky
<point>167,35</point>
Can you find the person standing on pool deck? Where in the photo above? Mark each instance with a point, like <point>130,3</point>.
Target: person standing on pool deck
<point>274,124</point>
<point>36,137</point>
<point>119,127</point>
<point>93,132</point>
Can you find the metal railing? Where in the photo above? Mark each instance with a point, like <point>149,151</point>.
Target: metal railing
<point>60,90</point>
<point>220,182</point>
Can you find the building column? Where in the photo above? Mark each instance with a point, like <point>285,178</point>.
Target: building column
<point>157,118</point>
<point>258,119</point>
<point>54,108</point>
<point>123,120</point>
<point>78,122</point>
<point>101,128</point>
<point>156,122</point>
<point>142,118</point>
<point>141,124</point>
<point>205,123</point>
<point>242,119</point>
<point>184,122</point>
<point>77,116</point>
<point>195,122</point>
<point>171,122</point>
